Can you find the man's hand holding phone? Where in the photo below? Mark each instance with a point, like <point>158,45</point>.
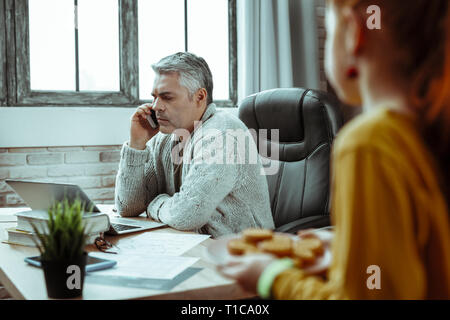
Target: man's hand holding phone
<point>141,130</point>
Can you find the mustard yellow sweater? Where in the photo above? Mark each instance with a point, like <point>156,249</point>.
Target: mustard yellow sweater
<point>388,211</point>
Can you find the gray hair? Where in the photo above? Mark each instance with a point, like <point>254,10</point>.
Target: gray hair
<point>193,71</point>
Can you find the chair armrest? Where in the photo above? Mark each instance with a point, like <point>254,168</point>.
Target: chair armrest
<point>305,223</point>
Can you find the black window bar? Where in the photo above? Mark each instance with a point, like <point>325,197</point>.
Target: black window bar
<point>186,25</point>
<point>77,59</point>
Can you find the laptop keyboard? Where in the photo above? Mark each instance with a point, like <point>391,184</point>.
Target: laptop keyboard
<point>122,227</point>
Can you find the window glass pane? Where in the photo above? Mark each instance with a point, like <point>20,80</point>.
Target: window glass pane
<point>161,33</point>
<point>52,45</point>
<point>98,38</point>
<point>208,38</point>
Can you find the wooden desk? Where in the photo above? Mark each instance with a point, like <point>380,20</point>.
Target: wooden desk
<point>26,282</point>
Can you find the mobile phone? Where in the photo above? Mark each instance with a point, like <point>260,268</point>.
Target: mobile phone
<point>152,119</point>
<point>92,264</point>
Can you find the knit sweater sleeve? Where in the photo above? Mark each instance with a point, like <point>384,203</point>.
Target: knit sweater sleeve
<point>208,181</point>
<point>136,181</point>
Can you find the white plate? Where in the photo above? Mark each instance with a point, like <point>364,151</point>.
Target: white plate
<point>217,252</point>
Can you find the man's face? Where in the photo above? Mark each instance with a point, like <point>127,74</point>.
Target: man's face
<point>174,107</point>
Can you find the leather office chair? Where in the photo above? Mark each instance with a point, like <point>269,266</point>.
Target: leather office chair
<point>308,121</point>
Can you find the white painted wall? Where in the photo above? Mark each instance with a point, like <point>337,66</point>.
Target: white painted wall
<point>65,126</point>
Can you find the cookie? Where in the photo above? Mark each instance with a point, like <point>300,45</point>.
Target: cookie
<point>240,247</point>
<point>313,244</point>
<point>307,250</point>
<point>254,235</point>
<point>298,263</point>
<point>282,238</point>
<point>302,253</point>
<point>279,245</point>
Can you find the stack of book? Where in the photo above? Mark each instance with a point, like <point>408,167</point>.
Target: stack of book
<point>23,233</point>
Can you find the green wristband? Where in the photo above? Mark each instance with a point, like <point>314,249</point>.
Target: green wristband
<point>269,274</point>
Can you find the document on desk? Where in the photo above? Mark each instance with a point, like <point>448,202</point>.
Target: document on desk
<point>152,255</point>
<point>158,243</point>
<point>141,266</point>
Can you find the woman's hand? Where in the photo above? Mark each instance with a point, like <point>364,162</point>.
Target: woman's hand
<point>246,270</point>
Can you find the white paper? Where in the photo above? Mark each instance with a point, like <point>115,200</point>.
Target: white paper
<point>148,267</point>
<point>106,208</point>
<point>152,255</point>
<point>159,243</point>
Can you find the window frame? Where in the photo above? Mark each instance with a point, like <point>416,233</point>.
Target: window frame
<point>3,79</point>
<point>15,64</point>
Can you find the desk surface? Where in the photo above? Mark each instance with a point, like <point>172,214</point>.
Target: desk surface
<point>26,282</point>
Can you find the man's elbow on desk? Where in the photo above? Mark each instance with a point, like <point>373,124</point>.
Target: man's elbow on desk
<point>181,224</point>
<point>127,211</point>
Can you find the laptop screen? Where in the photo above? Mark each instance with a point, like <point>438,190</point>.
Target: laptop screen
<point>41,195</point>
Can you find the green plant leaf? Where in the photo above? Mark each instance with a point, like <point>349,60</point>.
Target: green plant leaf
<point>66,236</point>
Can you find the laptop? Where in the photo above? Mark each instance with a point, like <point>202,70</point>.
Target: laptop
<point>41,195</point>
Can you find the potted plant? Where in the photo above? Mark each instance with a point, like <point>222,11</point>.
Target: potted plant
<point>63,258</point>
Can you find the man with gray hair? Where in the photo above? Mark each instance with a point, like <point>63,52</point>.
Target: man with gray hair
<point>209,197</point>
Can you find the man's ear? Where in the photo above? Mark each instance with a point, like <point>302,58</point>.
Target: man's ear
<point>355,32</point>
<point>201,95</point>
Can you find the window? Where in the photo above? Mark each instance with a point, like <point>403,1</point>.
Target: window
<point>80,56</point>
<point>99,52</point>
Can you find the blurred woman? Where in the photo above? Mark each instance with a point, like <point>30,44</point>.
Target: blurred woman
<point>390,165</point>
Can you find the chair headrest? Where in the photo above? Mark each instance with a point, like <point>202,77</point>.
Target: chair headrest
<point>305,118</point>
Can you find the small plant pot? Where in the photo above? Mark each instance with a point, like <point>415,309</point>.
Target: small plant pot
<point>64,279</point>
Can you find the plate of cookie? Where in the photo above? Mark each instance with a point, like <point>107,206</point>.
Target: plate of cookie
<point>310,252</point>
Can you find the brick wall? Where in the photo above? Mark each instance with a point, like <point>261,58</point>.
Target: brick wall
<point>92,168</point>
